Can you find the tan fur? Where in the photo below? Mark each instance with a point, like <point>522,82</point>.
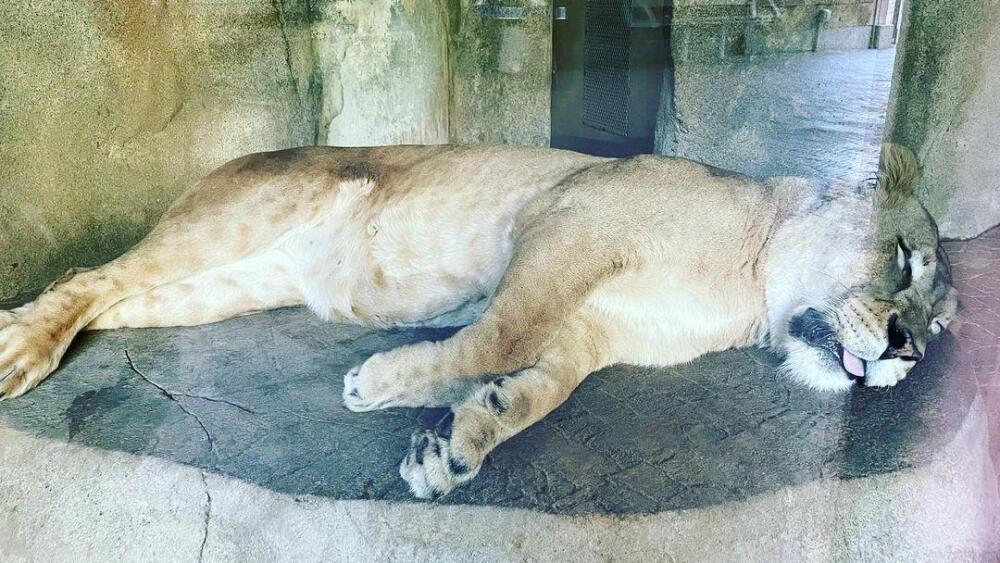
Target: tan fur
<point>559,263</point>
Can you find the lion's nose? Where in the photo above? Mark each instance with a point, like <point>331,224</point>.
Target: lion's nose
<point>900,342</point>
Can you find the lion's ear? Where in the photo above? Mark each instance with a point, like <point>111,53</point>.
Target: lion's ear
<point>898,171</point>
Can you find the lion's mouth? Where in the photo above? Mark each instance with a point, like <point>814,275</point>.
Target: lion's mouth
<point>852,364</point>
<point>812,328</point>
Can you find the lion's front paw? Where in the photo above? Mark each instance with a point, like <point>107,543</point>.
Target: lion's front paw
<point>369,386</point>
<point>395,379</point>
<point>431,468</point>
<point>24,359</point>
<point>885,373</point>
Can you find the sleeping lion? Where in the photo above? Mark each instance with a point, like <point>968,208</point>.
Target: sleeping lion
<point>556,263</point>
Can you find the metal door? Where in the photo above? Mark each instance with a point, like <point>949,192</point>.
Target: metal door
<point>609,60</point>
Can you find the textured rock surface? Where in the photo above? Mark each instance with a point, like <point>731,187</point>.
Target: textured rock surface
<point>799,114</point>
<point>384,72</point>
<point>501,72</point>
<point>945,108</point>
<point>108,110</point>
<point>259,398</point>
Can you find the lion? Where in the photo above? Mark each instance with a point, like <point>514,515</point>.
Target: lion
<point>555,264</point>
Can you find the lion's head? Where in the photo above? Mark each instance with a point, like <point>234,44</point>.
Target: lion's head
<point>858,284</point>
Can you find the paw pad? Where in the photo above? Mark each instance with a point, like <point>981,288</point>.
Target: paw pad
<point>496,403</point>
<point>430,468</point>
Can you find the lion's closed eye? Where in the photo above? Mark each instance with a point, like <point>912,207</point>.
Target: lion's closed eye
<point>904,258</point>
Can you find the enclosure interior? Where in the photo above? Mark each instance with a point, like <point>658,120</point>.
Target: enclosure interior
<point>108,111</point>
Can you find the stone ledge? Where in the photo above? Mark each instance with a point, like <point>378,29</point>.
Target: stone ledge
<point>65,501</point>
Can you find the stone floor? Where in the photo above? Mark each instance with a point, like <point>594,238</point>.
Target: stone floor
<point>258,398</point>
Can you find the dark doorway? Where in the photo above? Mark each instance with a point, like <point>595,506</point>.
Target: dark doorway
<point>609,58</point>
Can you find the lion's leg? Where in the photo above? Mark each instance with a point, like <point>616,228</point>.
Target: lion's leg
<point>253,284</point>
<point>441,459</point>
<point>543,285</point>
<point>36,336</point>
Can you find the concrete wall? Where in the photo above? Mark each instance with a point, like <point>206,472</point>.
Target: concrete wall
<point>946,108</point>
<point>109,109</point>
<point>384,69</point>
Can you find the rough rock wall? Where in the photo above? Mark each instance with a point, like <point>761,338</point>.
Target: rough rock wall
<point>947,108</point>
<point>713,30</point>
<point>384,65</point>
<point>109,109</point>
<point>501,64</point>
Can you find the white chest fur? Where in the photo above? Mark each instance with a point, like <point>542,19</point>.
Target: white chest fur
<point>655,316</point>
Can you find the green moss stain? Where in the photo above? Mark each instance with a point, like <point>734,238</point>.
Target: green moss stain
<point>500,75</point>
<point>938,66</point>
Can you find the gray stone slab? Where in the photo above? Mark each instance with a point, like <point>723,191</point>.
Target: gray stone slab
<point>258,398</point>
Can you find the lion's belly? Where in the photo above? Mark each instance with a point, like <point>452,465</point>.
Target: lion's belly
<point>432,259</point>
<point>653,319</point>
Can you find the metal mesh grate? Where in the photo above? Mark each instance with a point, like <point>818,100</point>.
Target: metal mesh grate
<point>607,40</point>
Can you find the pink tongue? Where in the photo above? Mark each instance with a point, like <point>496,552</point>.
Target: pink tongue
<point>853,364</point>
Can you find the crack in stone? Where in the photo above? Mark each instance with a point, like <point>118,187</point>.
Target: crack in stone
<point>208,517</point>
<point>279,9</point>
<point>172,397</point>
<point>171,117</point>
<point>771,417</point>
<point>247,410</point>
